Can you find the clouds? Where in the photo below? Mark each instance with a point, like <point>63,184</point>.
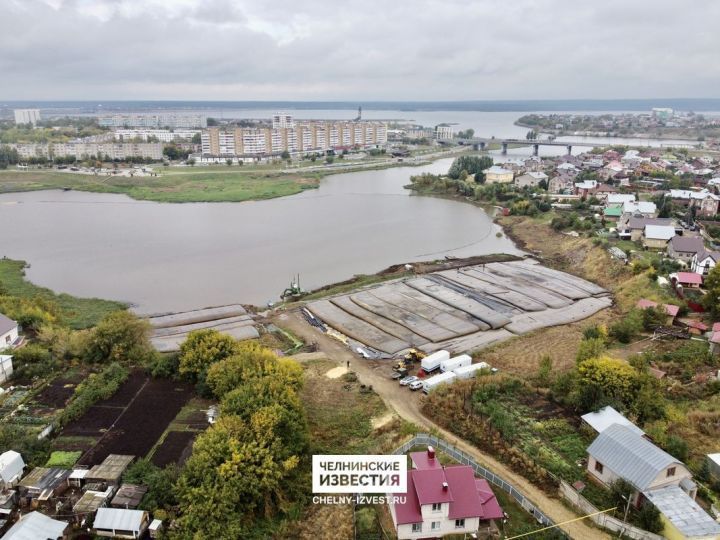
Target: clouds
<point>317,49</point>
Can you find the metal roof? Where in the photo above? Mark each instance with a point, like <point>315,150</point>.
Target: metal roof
<point>684,513</point>
<point>6,324</point>
<point>630,456</point>
<point>606,417</point>
<point>114,519</point>
<point>11,466</point>
<point>659,232</point>
<point>36,525</point>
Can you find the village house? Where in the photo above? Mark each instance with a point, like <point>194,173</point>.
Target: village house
<point>121,523</point>
<point>619,199</point>
<point>498,175</point>
<point>530,179</point>
<point>704,261</point>
<point>645,209</point>
<point>689,280</point>
<point>444,500</point>
<point>561,183</point>
<point>706,202</point>
<point>620,452</point>
<point>110,470</point>
<point>43,483</point>
<point>657,237</point>
<point>90,501</point>
<point>683,248</point>
<point>585,188</point>
<point>633,227</point>
<point>9,333</point>
<point>671,310</point>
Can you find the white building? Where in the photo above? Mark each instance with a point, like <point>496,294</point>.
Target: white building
<point>9,335</point>
<point>444,133</point>
<point>11,468</point>
<point>704,261</point>
<point>283,120</point>
<point>169,120</point>
<point>120,523</point>
<point>530,179</point>
<point>163,135</point>
<point>6,367</point>
<point>27,116</point>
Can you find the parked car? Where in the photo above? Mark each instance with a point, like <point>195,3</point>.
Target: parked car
<point>416,385</point>
<point>408,380</point>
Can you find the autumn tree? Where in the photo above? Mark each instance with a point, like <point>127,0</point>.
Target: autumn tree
<point>119,337</point>
<point>711,300</point>
<point>201,349</point>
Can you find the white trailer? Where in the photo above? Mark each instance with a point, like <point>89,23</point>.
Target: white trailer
<point>433,382</point>
<point>432,361</point>
<point>468,372</point>
<point>453,363</point>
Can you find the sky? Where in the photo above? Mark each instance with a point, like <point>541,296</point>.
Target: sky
<point>422,50</point>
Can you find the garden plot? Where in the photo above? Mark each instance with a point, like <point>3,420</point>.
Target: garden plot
<point>463,309</point>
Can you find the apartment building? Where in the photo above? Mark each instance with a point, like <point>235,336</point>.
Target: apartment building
<point>444,133</point>
<point>27,116</point>
<point>81,150</point>
<point>295,137</point>
<point>163,135</point>
<point>172,121</point>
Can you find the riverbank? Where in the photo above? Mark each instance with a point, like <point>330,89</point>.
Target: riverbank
<point>77,312</point>
<point>659,135</point>
<point>216,183</point>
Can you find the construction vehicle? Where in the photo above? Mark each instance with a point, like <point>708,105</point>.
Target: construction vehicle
<point>407,361</point>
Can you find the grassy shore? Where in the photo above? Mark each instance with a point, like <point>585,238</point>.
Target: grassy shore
<point>77,312</point>
<point>226,185</point>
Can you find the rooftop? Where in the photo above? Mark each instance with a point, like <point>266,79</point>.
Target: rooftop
<point>659,232</point>
<point>91,500</point>
<point>6,324</point>
<point>684,513</point>
<point>689,277</point>
<point>671,310</point>
<point>630,456</point>
<point>129,496</point>
<point>687,244</point>
<point>606,417</point>
<point>111,468</point>
<point>110,519</point>
<point>36,525</point>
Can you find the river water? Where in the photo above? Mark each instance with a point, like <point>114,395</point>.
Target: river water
<point>164,257</point>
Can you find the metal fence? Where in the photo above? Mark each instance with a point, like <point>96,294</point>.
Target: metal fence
<point>424,439</point>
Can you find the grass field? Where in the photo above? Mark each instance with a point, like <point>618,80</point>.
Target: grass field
<point>188,185</point>
<point>77,312</point>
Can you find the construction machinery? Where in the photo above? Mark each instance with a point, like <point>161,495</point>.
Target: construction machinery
<point>406,362</point>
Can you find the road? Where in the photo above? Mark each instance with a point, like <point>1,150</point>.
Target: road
<point>409,410</point>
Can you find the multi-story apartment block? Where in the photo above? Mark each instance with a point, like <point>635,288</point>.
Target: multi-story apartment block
<point>293,137</point>
<point>184,121</point>
<point>27,116</point>
<point>163,135</point>
<point>81,150</point>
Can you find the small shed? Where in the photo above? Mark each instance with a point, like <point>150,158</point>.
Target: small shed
<point>606,417</point>
<point>110,470</point>
<point>90,501</point>
<point>155,527</point>
<point>121,523</point>
<point>77,477</point>
<point>129,496</point>
<point>43,483</point>
<point>6,367</point>
<point>11,468</point>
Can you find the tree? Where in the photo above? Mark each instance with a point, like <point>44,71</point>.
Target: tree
<point>649,518</point>
<point>472,164</point>
<point>590,348</point>
<point>229,162</point>
<point>603,379</point>
<point>119,337</point>
<point>197,138</point>
<point>201,349</point>
<point>711,300</point>
<point>544,373</point>
<point>285,155</point>
<point>191,162</point>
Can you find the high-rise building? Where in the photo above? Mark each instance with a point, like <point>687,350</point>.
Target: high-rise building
<point>27,116</point>
<point>168,120</point>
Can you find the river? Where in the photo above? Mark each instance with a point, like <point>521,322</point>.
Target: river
<point>166,257</point>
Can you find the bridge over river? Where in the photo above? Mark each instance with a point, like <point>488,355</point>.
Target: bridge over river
<point>480,143</point>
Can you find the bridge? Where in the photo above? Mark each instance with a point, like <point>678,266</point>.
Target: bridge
<point>479,143</point>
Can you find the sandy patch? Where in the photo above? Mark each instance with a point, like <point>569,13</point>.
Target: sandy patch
<point>336,373</point>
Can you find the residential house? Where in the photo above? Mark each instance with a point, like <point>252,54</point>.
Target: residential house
<point>444,500</point>
<point>11,469</point>
<point>498,175</point>
<point>585,187</point>
<point>704,261</point>
<point>612,213</point>
<point>6,367</point>
<point>568,168</point>
<point>689,280</point>
<point>657,236</point>
<point>121,523</point>
<point>530,179</point>
<point>42,483</point>
<point>560,183</point>
<point>645,209</point>
<point>706,202</point>
<point>619,452</point>
<point>110,470</point>
<point>9,337</point>
<point>634,227</point>
<point>91,500</point>
<point>602,191</point>
<point>606,417</point>
<point>670,309</point>
<point>37,525</point>
<point>619,198</point>
<point>683,248</point>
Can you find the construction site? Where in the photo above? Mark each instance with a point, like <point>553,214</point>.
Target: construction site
<point>458,310</point>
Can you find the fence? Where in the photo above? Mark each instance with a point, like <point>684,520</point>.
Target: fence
<point>423,439</point>
<point>603,520</point>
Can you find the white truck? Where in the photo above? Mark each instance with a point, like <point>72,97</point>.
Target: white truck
<point>432,361</point>
<point>431,383</point>
<point>456,362</point>
<point>468,372</point>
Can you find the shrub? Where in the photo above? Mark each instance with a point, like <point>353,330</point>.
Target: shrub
<point>96,387</point>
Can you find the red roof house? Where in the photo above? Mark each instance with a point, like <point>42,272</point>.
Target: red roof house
<point>689,279</point>
<point>670,309</point>
<point>443,500</point>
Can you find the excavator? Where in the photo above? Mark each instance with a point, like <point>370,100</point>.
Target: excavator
<point>406,362</point>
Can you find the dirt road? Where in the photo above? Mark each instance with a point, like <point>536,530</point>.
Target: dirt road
<point>407,406</point>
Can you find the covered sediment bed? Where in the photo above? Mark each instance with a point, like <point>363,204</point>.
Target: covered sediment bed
<point>462,309</point>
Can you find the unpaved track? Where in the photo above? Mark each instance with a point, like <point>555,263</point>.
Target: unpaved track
<point>406,405</point>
